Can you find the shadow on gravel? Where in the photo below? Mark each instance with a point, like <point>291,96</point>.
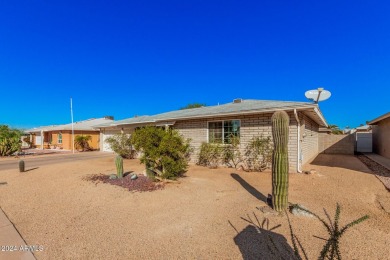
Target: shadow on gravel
<point>31,169</point>
<point>255,193</point>
<point>257,241</point>
<point>350,162</point>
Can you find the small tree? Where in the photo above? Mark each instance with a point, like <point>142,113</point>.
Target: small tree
<point>193,105</point>
<point>82,142</point>
<point>335,129</point>
<point>164,152</point>
<point>122,145</point>
<point>27,140</point>
<point>9,140</point>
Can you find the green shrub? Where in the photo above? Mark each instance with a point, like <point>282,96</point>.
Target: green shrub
<point>121,144</point>
<point>231,152</point>
<point>165,151</point>
<point>258,154</point>
<point>9,140</point>
<point>210,155</point>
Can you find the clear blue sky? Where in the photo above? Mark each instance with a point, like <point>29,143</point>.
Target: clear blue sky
<point>126,58</point>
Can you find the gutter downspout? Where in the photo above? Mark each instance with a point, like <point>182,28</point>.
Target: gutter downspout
<point>299,142</point>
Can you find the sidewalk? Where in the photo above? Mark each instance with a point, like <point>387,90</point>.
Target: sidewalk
<point>10,240</point>
<point>385,162</point>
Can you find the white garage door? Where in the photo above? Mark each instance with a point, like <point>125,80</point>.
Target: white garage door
<point>364,142</point>
<point>38,140</point>
<point>107,134</point>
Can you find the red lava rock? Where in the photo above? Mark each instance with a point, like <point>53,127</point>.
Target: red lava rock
<point>142,183</point>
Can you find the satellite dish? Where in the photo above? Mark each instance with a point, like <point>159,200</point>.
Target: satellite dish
<point>317,95</point>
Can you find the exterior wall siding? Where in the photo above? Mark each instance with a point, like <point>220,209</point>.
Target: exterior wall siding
<point>381,138</point>
<point>251,126</point>
<point>308,138</point>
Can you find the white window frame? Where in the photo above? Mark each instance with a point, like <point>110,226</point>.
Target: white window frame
<point>223,129</point>
<point>58,138</point>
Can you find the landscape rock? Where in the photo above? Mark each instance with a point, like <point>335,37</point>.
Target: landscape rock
<point>295,210</point>
<point>113,177</point>
<point>312,171</point>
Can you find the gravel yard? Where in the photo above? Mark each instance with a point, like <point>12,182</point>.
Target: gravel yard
<point>381,172</point>
<point>200,217</point>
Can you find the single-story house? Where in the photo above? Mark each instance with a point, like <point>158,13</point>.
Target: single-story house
<point>116,127</point>
<point>381,135</point>
<point>60,136</point>
<point>243,118</point>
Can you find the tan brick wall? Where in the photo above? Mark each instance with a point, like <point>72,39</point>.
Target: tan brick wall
<point>251,126</point>
<point>381,138</point>
<point>308,138</point>
<point>336,144</point>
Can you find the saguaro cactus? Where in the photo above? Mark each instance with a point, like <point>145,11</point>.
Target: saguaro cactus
<point>21,166</point>
<point>119,166</point>
<point>280,131</point>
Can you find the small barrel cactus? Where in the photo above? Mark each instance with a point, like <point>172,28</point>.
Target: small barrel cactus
<point>21,166</point>
<point>280,132</point>
<point>119,166</point>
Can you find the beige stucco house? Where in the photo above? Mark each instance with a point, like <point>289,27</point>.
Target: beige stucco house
<point>381,135</point>
<point>243,118</point>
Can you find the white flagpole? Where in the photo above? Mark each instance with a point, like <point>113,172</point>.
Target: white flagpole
<point>71,114</point>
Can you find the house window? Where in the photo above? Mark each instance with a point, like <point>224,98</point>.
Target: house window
<point>221,131</point>
<point>59,138</point>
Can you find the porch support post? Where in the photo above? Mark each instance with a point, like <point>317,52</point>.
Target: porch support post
<point>42,139</point>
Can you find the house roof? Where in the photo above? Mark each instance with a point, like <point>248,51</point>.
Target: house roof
<point>85,125</point>
<point>229,109</point>
<point>378,119</point>
<point>364,128</point>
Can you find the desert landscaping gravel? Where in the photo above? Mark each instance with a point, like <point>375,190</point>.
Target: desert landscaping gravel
<point>382,173</point>
<point>203,216</point>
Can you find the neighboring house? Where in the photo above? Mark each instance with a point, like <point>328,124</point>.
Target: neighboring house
<point>364,129</point>
<point>60,136</point>
<point>111,128</point>
<point>243,118</point>
<point>360,129</point>
<point>381,135</point>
